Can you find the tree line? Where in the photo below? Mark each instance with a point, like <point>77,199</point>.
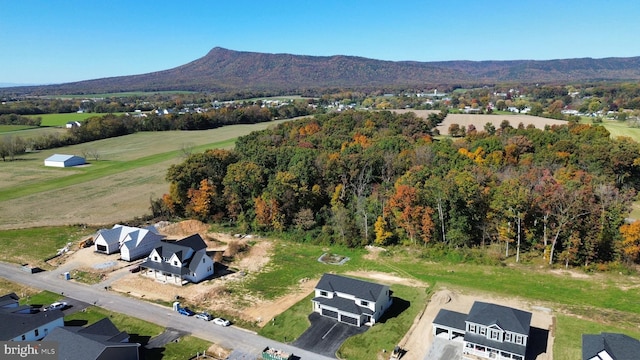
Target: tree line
<point>358,178</point>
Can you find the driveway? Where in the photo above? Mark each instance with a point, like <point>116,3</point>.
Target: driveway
<point>325,335</point>
<point>443,349</point>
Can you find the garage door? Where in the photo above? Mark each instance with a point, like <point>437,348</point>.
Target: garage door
<point>102,248</point>
<point>330,313</point>
<point>349,320</point>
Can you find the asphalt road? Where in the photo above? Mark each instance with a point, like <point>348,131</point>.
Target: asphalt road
<point>230,337</point>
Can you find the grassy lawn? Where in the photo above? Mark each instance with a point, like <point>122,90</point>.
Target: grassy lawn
<point>8,129</point>
<point>7,287</point>
<point>33,245</point>
<point>63,119</point>
<point>185,348</point>
<point>289,325</point>
<point>43,298</point>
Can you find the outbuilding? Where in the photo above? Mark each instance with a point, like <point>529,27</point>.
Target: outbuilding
<point>61,160</point>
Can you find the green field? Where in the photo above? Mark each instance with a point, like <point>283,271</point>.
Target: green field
<point>11,128</point>
<point>63,119</point>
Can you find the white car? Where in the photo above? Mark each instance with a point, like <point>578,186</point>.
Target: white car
<point>221,322</point>
<point>58,305</point>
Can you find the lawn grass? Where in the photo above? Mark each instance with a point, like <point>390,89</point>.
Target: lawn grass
<point>290,324</point>
<point>43,298</point>
<point>186,348</point>
<point>8,129</point>
<point>386,334</point>
<point>33,245</point>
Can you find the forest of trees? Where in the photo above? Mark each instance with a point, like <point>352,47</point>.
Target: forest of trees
<point>358,178</point>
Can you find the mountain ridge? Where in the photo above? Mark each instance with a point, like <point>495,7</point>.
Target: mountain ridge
<point>224,70</point>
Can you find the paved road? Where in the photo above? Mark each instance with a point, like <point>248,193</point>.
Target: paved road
<point>229,337</point>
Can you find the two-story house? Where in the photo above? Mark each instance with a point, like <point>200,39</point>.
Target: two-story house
<point>179,262</point>
<point>489,331</point>
<point>23,323</point>
<point>351,301</point>
<point>132,242</point>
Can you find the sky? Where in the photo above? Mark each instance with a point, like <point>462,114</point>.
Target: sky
<point>48,42</point>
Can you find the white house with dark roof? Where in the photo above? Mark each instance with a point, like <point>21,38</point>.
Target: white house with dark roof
<point>351,301</point>
<point>609,346</point>
<point>100,340</point>
<point>61,160</point>
<point>22,323</point>
<point>132,242</point>
<point>179,262</point>
<point>488,331</point>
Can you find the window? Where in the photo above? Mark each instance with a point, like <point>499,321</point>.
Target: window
<point>23,337</point>
<point>323,293</point>
<point>472,328</point>
<point>507,337</point>
<point>155,258</point>
<point>203,261</point>
<point>483,330</point>
<point>364,303</point>
<point>37,332</point>
<point>519,339</point>
<point>494,335</point>
<point>175,263</point>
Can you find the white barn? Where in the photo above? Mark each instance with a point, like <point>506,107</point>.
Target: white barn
<point>61,160</point>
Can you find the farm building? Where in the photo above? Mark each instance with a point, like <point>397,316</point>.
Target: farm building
<point>60,160</point>
<point>351,301</point>
<point>132,242</point>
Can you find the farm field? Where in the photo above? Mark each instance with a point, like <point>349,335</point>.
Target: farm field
<point>118,187</point>
<point>63,119</point>
<point>479,121</point>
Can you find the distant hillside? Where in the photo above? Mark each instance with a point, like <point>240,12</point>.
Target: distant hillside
<point>223,70</point>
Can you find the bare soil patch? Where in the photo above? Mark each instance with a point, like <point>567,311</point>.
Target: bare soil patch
<point>419,338</point>
<point>388,279</point>
<point>479,120</point>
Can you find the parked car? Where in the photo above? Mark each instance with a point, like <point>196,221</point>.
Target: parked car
<point>221,322</point>
<point>185,311</point>
<point>58,305</point>
<point>204,316</point>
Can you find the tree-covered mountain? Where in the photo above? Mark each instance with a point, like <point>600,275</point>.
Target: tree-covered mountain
<point>223,70</point>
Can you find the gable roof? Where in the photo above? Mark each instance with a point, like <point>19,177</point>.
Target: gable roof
<point>452,319</point>
<point>9,300</point>
<point>128,236</point>
<point>361,289</point>
<point>189,250</point>
<point>507,318</point>
<point>617,346</point>
<point>21,321</point>
<point>91,342</point>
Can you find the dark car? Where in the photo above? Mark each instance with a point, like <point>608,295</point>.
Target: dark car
<point>186,311</point>
<point>135,269</point>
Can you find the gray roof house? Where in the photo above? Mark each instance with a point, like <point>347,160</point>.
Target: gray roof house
<point>489,331</point>
<point>351,301</point>
<point>62,160</point>
<point>22,323</point>
<point>609,346</point>
<point>101,340</point>
<point>179,262</point>
<point>132,242</point>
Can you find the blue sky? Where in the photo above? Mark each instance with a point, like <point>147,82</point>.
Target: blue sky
<point>45,41</point>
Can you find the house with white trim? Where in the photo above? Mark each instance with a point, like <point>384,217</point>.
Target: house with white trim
<point>179,262</point>
<point>23,323</point>
<point>132,242</point>
<point>488,331</point>
<point>609,346</point>
<point>351,301</point>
